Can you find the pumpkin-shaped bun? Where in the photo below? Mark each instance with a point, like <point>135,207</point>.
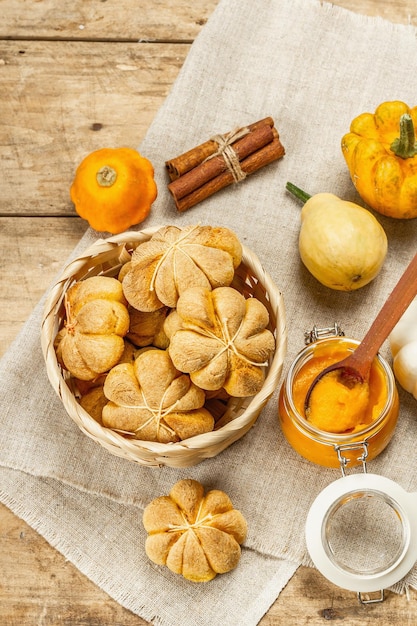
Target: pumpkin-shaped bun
<point>221,340</point>
<point>96,322</point>
<point>153,401</point>
<point>93,402</point>
<point>175,259</point>
<point>194,534</point>
<point>146,327</point>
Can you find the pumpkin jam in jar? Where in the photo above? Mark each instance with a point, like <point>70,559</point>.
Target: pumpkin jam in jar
<point>372,420</point>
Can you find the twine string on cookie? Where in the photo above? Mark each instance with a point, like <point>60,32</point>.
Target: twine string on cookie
<point>226,150</point>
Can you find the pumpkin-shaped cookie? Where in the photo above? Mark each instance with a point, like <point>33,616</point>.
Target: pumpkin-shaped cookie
<point>146,327</point>
<point>93,402</point>
<point>96,322</point>
<point>193,534</point>
<point>151,400</point>
<point>221,339</point>
<point>175,259</point>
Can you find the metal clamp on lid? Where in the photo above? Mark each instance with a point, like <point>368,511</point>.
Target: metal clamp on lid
<point>310,336</point>
<point>352,446</point>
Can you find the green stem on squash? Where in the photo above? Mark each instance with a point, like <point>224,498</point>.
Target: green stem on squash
<point>106,176</point>
<point>297,192</point>
<point>405,146</point>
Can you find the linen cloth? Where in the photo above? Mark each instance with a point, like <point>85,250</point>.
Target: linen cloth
<point>312,67</point>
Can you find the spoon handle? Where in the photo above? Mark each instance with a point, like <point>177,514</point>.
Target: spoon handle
<point>394,307</point>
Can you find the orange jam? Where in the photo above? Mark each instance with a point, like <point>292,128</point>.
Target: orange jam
<point>336,407</point>
<point>337,417</point>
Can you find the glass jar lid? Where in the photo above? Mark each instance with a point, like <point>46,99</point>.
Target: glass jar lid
<point>361,532</point>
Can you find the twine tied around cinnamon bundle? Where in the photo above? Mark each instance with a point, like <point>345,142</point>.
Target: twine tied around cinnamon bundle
<point>226,150</point>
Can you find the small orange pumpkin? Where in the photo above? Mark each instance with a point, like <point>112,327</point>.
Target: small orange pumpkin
<point>114,189</point>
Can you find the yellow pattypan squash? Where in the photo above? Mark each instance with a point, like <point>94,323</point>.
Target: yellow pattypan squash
<point>114,189</point>
<point>381,153</point>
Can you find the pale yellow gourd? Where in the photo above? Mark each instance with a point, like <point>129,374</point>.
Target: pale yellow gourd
<point>342,244</point>
<point>403,344</point>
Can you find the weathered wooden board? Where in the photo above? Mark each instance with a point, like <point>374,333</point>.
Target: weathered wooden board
<point>61,100</point>
<point>398,11</point>
<point>158,20</point>
<point>33,250</point>
<point>104,20</point>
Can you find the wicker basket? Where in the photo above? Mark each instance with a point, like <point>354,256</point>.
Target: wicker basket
<point>105,257</point>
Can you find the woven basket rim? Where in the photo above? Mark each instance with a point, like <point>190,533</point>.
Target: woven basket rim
<point>149,452</point>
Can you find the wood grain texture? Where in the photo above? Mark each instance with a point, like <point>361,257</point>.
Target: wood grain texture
<point>61,100</point>
<point>75,77</point>
<point>397,11</point>
<point>104,20</point>
<point>28,265</point>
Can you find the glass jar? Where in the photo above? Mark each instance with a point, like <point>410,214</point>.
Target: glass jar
<point>361,533</point>
<point>331,449</point>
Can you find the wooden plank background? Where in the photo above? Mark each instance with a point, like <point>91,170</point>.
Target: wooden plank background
<point>75,77</point>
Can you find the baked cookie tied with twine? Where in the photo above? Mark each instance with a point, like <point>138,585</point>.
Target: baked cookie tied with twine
<point>221,339</point>
<point>150,399</point>
<point>222,161</point>
<point>175,259</point>
<point>193,533</point>
<point>97,320</point>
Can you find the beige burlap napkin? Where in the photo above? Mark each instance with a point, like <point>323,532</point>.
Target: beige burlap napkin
<point>312,67</point>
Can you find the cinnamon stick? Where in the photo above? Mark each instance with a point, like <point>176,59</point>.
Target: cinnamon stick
<point>263,156</point>
<point>192,158</point>
<point>207,170</point>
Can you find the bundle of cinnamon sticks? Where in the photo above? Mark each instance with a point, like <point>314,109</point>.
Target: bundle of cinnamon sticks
<point>222,161</point>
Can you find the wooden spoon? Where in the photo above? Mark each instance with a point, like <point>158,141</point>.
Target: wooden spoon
<point>355,368</point>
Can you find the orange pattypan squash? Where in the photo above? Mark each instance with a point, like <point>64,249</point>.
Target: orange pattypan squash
<point>114,189</point>
<point>381,153</point>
